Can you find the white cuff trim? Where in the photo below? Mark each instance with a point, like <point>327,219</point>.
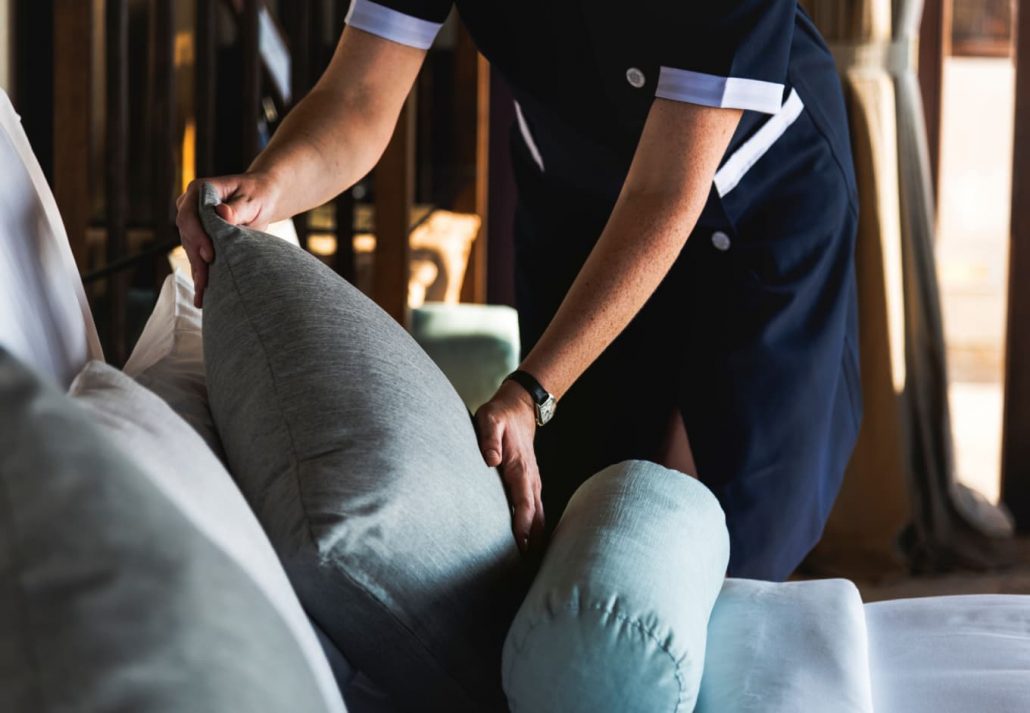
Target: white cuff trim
<point>721,92</point>
<point>392,25</point>
<point>737,165</point>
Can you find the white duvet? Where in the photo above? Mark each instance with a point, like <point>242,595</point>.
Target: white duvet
<point>814,647</point>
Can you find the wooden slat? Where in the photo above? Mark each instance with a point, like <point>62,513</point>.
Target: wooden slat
<point>502,197</point>
<point>472,126</point>
<point>117,171</point>
<point>250,84</point>
<point>73,90</point>
<point>299,27</point>
<point>1016,428</point>
<point>164,141</point>
<point>395,195</point>
<point>344,260</point>
<point>934,42</point>
<point>204,87</point>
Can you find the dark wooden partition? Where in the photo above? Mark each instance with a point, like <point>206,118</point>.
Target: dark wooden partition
<point>395,197</point>
<point>934,42</point>
<point>117,169</point>
<point>73,91</point>
<point>112,126</point>
<point>1016,434</point>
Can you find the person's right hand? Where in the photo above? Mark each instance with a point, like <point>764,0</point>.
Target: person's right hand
<point>247,199</point>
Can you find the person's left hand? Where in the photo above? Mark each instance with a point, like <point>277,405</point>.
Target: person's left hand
<point>507,426</point>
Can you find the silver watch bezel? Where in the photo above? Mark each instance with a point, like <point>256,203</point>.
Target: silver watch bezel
<point>545,411</point>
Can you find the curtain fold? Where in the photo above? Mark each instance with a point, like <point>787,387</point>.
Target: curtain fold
<point>900,503</point>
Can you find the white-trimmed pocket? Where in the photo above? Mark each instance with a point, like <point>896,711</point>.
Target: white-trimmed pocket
<point>736,166</point>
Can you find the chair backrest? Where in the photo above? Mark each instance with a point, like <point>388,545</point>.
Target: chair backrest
<point>44,316</point>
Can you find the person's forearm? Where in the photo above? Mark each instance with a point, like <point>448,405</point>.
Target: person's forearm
<point>338,132</point>
<point>642,240</point>
<point>667,187</point>
<point>323,148</point>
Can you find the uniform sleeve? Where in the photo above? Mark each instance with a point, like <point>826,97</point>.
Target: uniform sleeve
<point>409,22</point>
<point>725,53</point>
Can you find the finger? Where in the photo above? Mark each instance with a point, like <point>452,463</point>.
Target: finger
<point>193,257</point>
<point>239,209</point>
<point>539,527</point>
<point>491,434</point>
<point>523,501</point>
<point>192,235</point>
<point>199,285</point>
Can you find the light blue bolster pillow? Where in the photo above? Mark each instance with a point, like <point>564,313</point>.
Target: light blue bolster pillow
<point>617,617</point>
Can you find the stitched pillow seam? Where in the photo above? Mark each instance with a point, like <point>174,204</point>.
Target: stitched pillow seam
<point>636,623</point>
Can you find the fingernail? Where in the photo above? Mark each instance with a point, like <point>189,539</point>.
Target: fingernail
<point>206,254</point>
<point>492,455</point>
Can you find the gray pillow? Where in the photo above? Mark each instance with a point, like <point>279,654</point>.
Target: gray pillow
<point>112,596</point>
<point>362,464</point>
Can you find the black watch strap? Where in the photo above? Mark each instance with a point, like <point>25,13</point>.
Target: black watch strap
<point>530,384</point>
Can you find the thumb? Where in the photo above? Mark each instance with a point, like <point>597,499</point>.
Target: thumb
<point>239,210</point>
<point>491,434</point>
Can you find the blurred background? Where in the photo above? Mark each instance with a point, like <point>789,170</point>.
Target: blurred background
<point>126,101</point>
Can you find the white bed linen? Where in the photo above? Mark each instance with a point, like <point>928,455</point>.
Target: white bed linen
<point>795,647</point>
<point>44,317</point>
<point>968,654</point>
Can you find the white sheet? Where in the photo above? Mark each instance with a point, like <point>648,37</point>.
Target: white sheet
<point>967,654</point>
<point>798,647</point>
<point>44,317</point>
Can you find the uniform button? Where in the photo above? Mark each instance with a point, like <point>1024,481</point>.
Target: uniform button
<point>720,241</point>
<point>635,77</point>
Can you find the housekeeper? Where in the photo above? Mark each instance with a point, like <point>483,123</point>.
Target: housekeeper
<point>684,254</point>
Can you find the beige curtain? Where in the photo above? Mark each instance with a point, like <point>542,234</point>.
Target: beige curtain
<point>900,496</point>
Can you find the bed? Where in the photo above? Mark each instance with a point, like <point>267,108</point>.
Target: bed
<point>935,655</point>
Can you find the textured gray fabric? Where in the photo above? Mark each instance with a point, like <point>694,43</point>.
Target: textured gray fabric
<point>111,598</point>
<point>361,462</point>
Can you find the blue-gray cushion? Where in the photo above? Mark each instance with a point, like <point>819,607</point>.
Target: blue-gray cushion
<point>129,583</point>
<point>475,346</point>
<point>362,464</point>
<point>617,618</point>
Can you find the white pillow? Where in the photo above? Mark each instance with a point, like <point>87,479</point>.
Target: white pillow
<point>787,647</point>
<point>169,358</point>
<point>175,459</point>
<point>44,317</point>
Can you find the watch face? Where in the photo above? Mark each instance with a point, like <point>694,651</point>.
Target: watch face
<point>545,411</point>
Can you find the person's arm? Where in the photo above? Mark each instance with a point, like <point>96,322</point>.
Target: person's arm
<point>326,144</point>
<point>663,196</point>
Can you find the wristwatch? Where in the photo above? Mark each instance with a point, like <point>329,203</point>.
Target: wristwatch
<point>544,402</point>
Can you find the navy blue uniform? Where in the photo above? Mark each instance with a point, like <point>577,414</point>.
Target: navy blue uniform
<point>752,335</point>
